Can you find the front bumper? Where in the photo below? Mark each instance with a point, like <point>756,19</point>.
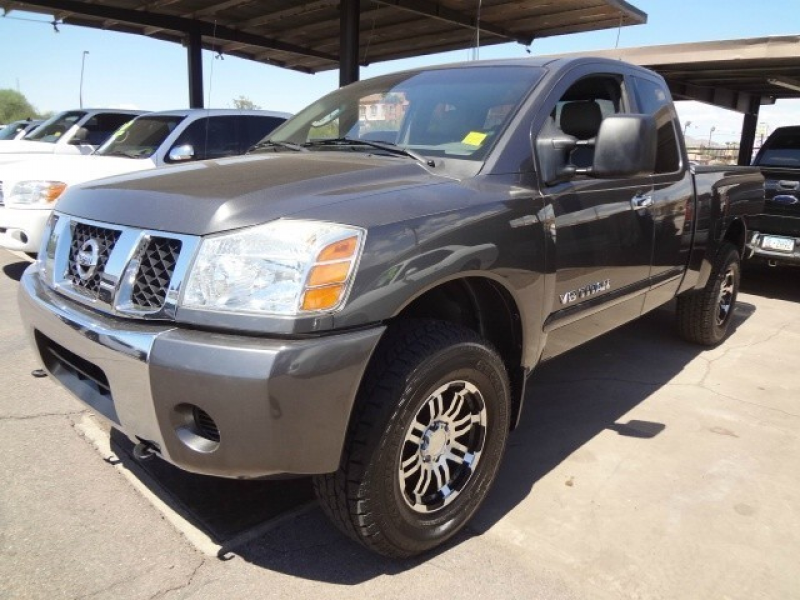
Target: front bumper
<point>21,229</point>
<point>217,404</point>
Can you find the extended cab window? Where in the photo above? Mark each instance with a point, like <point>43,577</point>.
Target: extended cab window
<point>253,129</point>
<point>654,100</point>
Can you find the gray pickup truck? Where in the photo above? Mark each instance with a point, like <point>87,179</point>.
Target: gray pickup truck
<point>364,296</point>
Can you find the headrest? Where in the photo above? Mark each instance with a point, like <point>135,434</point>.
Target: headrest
<point>581,119</point>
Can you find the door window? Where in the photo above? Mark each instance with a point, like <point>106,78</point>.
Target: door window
<point>212,137</point>
<point>579,113</point>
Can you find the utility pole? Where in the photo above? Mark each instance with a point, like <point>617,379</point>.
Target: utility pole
<point>80,90</point>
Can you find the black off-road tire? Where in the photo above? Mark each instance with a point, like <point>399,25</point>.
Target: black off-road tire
<point>704,316</point>
<point>419,369</point>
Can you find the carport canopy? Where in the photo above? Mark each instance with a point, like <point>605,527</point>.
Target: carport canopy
<point>740,75</point>
<point>317,35</point>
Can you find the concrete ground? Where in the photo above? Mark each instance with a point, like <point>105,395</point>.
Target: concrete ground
<point>644,467</point>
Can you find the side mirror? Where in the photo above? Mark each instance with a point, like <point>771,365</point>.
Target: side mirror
<point>625,146</point>
<point>181,153</point>
<point>553,147</point>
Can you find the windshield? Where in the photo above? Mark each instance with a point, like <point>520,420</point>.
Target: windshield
<point>141,137</point>
<point>52,129</point>
<point>10,131</point>
<point>782,150</point>
<point>456,113</point>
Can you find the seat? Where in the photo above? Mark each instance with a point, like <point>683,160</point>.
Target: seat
<point>581,119</point>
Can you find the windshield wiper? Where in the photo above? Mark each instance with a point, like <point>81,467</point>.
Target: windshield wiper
<point>276,144</point>
<point>387,146</point>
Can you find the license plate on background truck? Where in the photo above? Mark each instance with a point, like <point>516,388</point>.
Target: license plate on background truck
<point>780,244</point>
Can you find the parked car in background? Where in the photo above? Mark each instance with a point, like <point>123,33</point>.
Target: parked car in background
<point>18,129</point>
<point>775,235</point>
<point>71,132</point>
<point>29,189</point>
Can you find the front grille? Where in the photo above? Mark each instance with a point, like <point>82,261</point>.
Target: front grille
<point>155,273</point>
<point>96,243</point>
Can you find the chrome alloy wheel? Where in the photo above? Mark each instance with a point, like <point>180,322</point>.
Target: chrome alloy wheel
<point>442,446</point>
<point>726,292</point>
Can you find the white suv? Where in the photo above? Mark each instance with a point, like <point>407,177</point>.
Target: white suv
<point>29,189</point>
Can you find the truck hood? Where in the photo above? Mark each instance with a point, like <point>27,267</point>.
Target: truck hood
<point>217,195</point>
<point>70,169</point>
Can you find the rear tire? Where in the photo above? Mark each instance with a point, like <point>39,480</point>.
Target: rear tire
<point>704,316</point>
<point>425,440</point>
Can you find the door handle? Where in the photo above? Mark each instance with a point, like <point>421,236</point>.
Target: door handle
<point>641,201</point>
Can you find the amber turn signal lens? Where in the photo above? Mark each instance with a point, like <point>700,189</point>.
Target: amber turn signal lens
<point>53,191</point>
<point>339,250</point>
<point>322,298</point>
<point>327,274</point>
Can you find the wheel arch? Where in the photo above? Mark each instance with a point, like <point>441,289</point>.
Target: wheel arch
<point>736,234</point>
<point>486,306</point>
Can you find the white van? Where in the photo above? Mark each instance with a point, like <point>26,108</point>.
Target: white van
<point>29,189</point>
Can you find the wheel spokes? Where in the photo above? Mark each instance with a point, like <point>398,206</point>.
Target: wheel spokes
<point>442,445</point>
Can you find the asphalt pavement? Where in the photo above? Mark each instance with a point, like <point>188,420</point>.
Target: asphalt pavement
<point>644,467</point>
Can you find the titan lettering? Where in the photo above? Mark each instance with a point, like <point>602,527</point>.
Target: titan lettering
<point>585,291</point>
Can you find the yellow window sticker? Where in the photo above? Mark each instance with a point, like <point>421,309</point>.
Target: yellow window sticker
<point>474,138</point>
<point>122,129</point>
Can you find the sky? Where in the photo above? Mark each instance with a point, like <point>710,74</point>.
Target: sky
<point>129,71</point>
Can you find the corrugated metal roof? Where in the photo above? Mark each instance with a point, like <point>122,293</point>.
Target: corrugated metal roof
<point>304,36</point>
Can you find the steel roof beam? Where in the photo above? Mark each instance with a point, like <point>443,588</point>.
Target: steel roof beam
<point>436,11</point>
<point>180,24</point>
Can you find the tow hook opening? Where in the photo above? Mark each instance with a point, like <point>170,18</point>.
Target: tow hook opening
<point>144,450</point>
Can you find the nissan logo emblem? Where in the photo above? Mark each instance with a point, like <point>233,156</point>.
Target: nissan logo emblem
<point>87,258</point>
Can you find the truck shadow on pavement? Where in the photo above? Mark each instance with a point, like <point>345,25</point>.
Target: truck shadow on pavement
<point>569,401</point>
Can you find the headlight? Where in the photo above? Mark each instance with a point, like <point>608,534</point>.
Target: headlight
<point>31,193</point>
<point>282,268</point>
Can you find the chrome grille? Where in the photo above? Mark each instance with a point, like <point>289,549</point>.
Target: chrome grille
<point>156,267</point>
<point>87,276</point>
<point>116,269</point>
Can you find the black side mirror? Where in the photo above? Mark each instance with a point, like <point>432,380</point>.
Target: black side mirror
<point>553,147</point>
<point>625,146</point>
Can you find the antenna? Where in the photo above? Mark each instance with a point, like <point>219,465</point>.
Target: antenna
<point>476,52</point>
<point>619,30</point>
<point>210,87</point>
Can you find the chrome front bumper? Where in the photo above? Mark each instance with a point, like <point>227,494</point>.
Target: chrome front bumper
<point>276,405</point>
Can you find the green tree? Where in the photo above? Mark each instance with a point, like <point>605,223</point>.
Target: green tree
<point>14,106</point>
<point>244,103</point>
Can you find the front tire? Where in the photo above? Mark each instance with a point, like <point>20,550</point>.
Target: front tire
<point>704,316</point>
<point>425,442</point>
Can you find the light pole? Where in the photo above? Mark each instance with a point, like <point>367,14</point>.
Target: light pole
<point>764,129</point>
<point>685,127</point>
<point>80,90</point>
<point>710,133</point>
